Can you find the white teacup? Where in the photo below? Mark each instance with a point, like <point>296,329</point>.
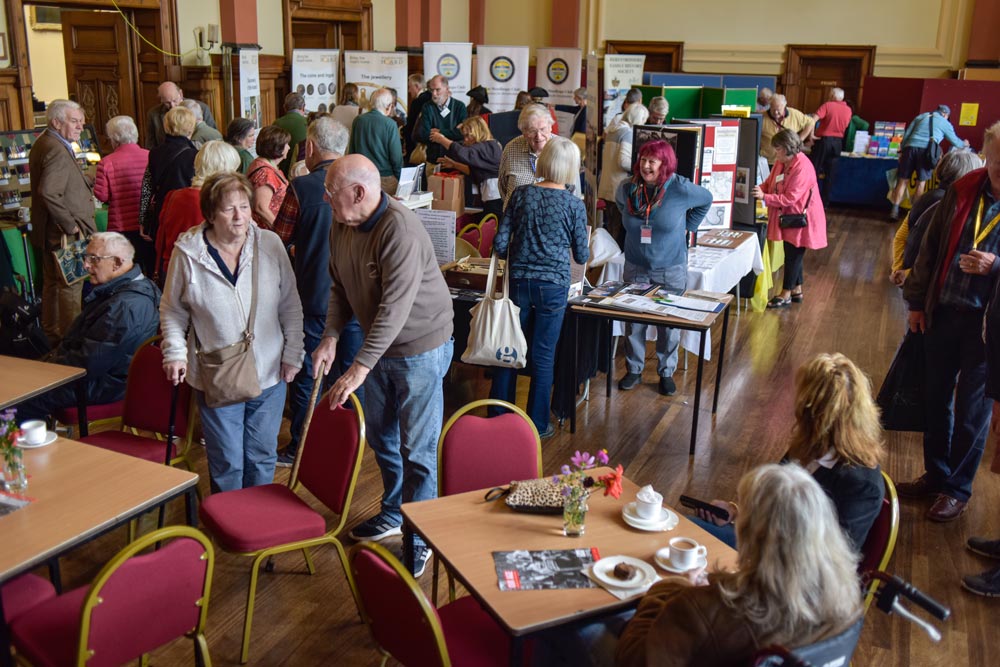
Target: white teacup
<point>33,432</point>
<point>648,503</point>
<point>685,553</point>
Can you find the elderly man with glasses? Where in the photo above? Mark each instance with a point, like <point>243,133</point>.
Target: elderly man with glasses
<point>520,155</point>
<point>119,313</point>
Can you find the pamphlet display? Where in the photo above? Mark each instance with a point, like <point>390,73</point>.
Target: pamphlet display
<point>314,76</point>
<point>250,86</point>
<point>440,226</point>
<point>503,71</point>
<point>557,70</point>
<point>453,61</point>
<point>372,70</point>
<point>718,168</point>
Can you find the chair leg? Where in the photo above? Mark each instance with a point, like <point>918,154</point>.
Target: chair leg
<point>248,620</point>
<point>434,583</point>
<point>201,655</point>
<point>451,587</point>
<point>132,529</point>
<point>144,660</point>
<point>309,561</point>
<point>347,575</point>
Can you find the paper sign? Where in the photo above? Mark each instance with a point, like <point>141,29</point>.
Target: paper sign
<point>970,114</point>
<point>440,226</point>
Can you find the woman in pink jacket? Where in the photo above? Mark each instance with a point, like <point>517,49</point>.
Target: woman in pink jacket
<point>792,189</point>
<point>118,183</point>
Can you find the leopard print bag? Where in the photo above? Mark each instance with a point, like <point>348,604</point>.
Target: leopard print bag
<point>534,496</point>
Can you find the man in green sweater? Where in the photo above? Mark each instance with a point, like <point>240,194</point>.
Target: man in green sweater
<point>376,136</point>
<point>294,122</point>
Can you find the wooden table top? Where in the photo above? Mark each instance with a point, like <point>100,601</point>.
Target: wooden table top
<point>661,320</point>
<point>464,530</point>
<point>21,379</point>
<point>78,491</point>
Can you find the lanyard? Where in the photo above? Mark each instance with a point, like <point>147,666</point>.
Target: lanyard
<point>979,236</point>
<point>648,201</point>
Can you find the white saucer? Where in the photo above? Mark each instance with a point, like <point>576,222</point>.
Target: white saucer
<point>666,521</point>
<point>701,562</point>
<point>50,437</point>
<point>603,569</point>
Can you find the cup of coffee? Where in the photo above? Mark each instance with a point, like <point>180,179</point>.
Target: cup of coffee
<point>33,432</point>
<point>685,553</point>
<point>648,503</point>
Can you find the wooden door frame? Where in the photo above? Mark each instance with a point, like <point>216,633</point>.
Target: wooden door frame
<point>634,47</point>
<point>796,53</point>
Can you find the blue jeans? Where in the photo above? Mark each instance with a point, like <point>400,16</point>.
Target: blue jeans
<point>667,340</point>
<point>350,341</point>
<point>241,440</point>
<point>404,409</point>
<point>543,305</point>
<point>725,534</point>
<point>958,411</point>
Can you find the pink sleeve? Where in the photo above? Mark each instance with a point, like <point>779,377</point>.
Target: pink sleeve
<point>102,180</point>
<point>796,186</point>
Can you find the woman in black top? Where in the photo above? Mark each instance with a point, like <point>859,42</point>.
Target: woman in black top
<point>477,156</point>
<point>170,167</point>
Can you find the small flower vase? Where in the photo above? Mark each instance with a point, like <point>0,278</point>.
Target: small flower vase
<point>574,515</point>
<point>15,476</point>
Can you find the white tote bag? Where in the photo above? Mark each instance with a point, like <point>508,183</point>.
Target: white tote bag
<point>495,337</point>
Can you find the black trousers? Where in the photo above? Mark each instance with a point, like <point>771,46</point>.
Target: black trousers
<point>792,276</point>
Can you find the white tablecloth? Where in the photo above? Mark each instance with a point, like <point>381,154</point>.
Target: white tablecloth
<point>710,269</point>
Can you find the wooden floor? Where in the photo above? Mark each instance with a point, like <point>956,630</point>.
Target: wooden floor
<point>850,307</point>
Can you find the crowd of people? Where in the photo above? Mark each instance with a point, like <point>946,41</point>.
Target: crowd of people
<point>300,251</point>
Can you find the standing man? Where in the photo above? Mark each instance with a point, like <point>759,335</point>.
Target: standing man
<point>170,95</point>
<point>947,292</point>
<point>764,100</point>
<point>62,210</point>
<point>834,116</point>
<point>520,155</point>
<point>294,123</point>
<point>202,132</point>
<point>444,114</point>
<point>922,130</point>
<point>376,136</point>
<point>385,273</point>
<point>419,96</point>
<point>782,117</point>
<point>304,223</point>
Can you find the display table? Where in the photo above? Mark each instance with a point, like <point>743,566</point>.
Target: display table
<point>860,181</point>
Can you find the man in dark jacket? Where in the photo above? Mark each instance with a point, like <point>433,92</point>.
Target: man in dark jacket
<point>419,96</point>
<point>119,314</point>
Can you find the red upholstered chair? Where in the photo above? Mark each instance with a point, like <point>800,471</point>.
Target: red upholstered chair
<point>98,416</point>
<point>23,593</point>
<point>135,604</point>
<point>407,627</point>
<point>480,234</point>
<point>881,541</point>
<point>467,454</point>
<point>148,396</point>
<point>262,521</point>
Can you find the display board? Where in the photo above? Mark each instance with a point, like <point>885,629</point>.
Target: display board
<point>684,101</point>
<point>557,70</point>
<point>745,97</point>
<point>503,71</point>
<point>453,61</point>
<point>746,170</point>
<point>712,100</point>
<point>621,72</point>
<point>315,76</point>
<point>250,87</point>
<point>372,70</point>
<point>503,126</point>
<point>686,140</point>
<point>649,92</point>
<point>718,168</point>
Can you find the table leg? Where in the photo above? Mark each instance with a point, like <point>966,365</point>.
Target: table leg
<point>574,322</point>
<point>6,659</point>
<point>191,506</point>
<point>407,546</point>
<point>697,392</point>
<point>722,357</point>
<point>81,405</point>
<point>611,353</point>
<point>516,651</point>
<point>54,576</point>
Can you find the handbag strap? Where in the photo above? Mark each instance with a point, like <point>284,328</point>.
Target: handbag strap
<point>254,264</point>
<point>930,138</point>
<point>491,277</point>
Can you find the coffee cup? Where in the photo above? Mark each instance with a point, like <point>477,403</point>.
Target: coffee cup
<point>648,503</point>
<point>685,553</point>
<point>33,432</point>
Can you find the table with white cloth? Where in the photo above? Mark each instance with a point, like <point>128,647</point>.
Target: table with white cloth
<point>717,264</point>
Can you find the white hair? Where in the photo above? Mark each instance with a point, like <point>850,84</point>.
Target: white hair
<point>530,113</point>
<point>559,161</point>
<point>778,98</point>
<point>193,107</point>
<point>58,109</point>
<point>381,99</point>
<point>328,135</point>
<point>838,94</point>
<point>581,93</point>
<point>115,244</point>
<point>636,114</point>
<point>215,157</point>
<point>659,105</point>
<point>122,130</point>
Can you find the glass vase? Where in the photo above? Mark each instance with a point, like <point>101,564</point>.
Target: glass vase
<point>574,516</point>
<point>15,476</point>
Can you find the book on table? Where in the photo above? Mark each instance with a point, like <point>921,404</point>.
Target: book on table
<point>650,298</point>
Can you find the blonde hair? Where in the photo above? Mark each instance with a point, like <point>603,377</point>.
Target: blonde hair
<point>991,137</point>
<point>476,128</point>
<point>559,161</point>
<point>797,576</point>
<point>215,157</point>
<point>834,411</point>
<point>179,122</point>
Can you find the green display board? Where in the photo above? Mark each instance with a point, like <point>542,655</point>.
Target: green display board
<point>685,101</point>
<point>711,102</point>
<point>744,97</point>
<point>649,92</point>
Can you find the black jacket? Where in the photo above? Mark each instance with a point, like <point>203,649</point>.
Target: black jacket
<point>116,318</point>
<point>483,158</point>
<point>312,241</point>
<point>412,116</point>
<point>856,492</point>
<point>171,167</point>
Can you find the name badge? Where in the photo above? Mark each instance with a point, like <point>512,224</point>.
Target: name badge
<point>646,234</point>
<point>779,178</point>
<point>445,112</point>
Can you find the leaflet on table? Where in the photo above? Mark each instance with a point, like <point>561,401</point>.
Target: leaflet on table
<point>615,287</point>
<point>644,304</point>
<point>549,569</point>
<point>689,303</point>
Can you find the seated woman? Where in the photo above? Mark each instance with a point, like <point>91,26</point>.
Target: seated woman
<point>477,156</point>
<point>795,583</point>
<point>838,438</point>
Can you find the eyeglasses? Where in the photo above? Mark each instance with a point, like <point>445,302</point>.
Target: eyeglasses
<point>94,259</point>
<point>330,193</point>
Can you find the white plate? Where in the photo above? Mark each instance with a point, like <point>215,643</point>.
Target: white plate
<point>50,437</point>
<point>666,521</point>
<point>701,562</point>
<point>604,568</point>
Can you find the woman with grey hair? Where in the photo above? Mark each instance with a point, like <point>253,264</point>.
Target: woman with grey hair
<point>118,183</point>
<point>658,110</point>
<point>616,166</point>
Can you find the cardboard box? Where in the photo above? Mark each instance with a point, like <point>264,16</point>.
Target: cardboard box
<point>449,192</point>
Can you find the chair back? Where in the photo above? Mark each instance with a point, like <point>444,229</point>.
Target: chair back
<point>148,394</point>
<point>465,249</point>
<point>467,449</point>
<point>836,650</point>
<point>480,234</point>
<point>140,602</point>
<point>401,619</point>
<point>332,449</point>
<point>881,540</point>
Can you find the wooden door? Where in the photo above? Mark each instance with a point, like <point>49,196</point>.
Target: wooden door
<point>811,71</point>
<point>98,48</point>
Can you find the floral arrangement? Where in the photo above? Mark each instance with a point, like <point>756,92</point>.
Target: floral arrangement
<point>576,482</point>
<point>9,433</point>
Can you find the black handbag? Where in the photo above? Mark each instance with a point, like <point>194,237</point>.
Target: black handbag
<point>932,153</point>
<point>901,397</point>
<point>796,220</point>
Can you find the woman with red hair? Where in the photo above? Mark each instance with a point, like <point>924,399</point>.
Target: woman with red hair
<point>658,208</point>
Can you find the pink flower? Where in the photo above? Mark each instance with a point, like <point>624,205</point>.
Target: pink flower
<point>602,457</point>
<point>582,461</point>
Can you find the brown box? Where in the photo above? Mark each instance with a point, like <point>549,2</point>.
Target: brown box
<point>449,192</point>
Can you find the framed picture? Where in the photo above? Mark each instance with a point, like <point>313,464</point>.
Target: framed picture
<point>3,46</point>
<point>44,18</point>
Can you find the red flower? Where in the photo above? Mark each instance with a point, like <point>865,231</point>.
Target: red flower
<point>613,482</point>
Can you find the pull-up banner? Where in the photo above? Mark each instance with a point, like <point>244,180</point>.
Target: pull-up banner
<point>453,61</point>
<point>558,71</point>
<point>621,72</point>
<point>314,76</point>
<point>371,70</point>
<point>250,86</point>
<point>503,71</point>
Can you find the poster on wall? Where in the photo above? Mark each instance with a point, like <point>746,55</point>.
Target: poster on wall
<point>453,61</point>
<point>558,71</point>
<point>250,86</point>
<point>314,76</point>
<point>621,72</point>
<point>503,71</point>
<point>371,70</point>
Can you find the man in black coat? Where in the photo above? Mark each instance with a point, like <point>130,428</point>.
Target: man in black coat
<point>119,314</point>
<point>419,96</point>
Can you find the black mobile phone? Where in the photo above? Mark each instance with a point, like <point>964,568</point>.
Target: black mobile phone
<point>695,504</point>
